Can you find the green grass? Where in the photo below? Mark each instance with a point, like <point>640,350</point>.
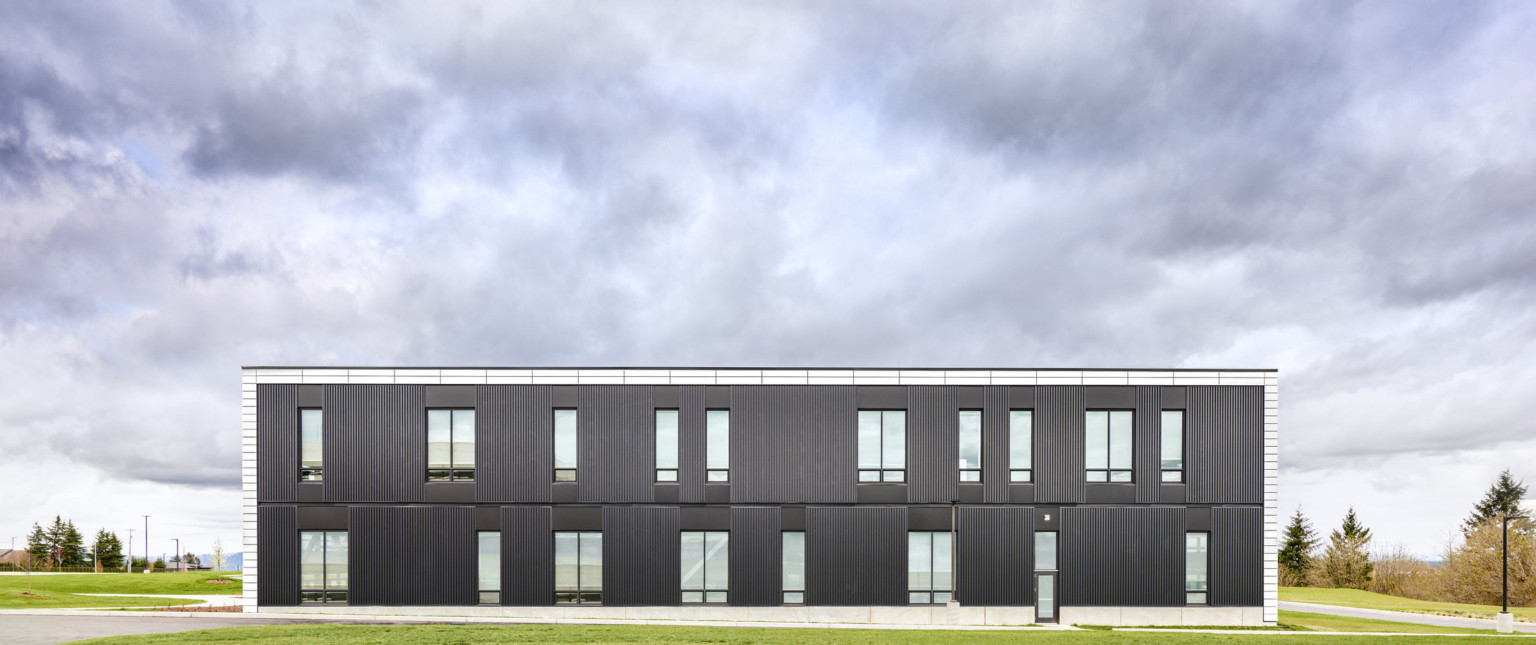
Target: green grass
<point>59,591</point>
<point>1302,621</point>
<point>1371,600</point>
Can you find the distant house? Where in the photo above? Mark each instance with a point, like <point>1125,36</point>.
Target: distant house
<point>12,556</point>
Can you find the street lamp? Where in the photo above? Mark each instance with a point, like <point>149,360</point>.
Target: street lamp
<point>147,565</point>
<point>179,563</point>
<point>1506,622</point>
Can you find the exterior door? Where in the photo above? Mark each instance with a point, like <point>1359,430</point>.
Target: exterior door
<point>1045,598</point>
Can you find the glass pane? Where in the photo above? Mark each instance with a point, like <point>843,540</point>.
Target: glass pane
<point>869,475</point>
<point>439,437</point>
<point>490,561</point>
<point>1120,439</point>
<point>1197,598</point>
<point>1045,607</point>
<point>312,596</point>
<point>917,598</point>
<point>715,596</point>
<point>1120,475</point>
<point>464,438</point>
<point>693,596</point>
<point>970,476</point>
<point>717,560</point>
<point>1021,439</point>
<point>590,598</point>
<point>311,560</point>
<point>490,597</point>
<point>666,438</point>
<point>311,446</point>
<point>1173,439</point>
<point>336,560</point>
<point>919,561</point>
<point>894,476</point>
<point>941,561</point>
<point>719,476</point>
<point>591,562</point>
<point>970,439</point>
<point>1195,547</point>
<point>565,598</point>
<point>1097,476</point>
<point>566,561</point>
<point>1173,476</point>
<point>1045,550</point>
<point>893,425</point>
<point>717,439</point>
<point>666,475</point>
<point>1019,476</point>
<point>1097,440</point>
<point>565,475</point>
<point>940,598</point>
<point>693,560</point>
<point>794,597</point>
<point>869,439</point>
<point>335,596</point>
<point>794,561</point>
<point>565,438</point>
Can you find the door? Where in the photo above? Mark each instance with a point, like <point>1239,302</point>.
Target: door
<point>1045,598</point>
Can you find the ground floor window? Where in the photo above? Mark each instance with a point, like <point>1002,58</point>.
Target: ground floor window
<point>578,567</point>
<point>1197,548</point>
<point>323,566</point>
<point>928,567</point>
<point>706,566</point>
<point>794,567</point>
<point>489,569</point>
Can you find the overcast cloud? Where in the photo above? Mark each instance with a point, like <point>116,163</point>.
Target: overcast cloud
<point>1343,191</point>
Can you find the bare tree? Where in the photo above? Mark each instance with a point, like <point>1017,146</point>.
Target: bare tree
<point>218,554</point>
<point>1399,573</point>
<point>1473,568</point>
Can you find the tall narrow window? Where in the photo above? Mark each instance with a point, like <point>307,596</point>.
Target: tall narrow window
<point>970,445</point>
<point>565,445</point>
<point>1021,445</point>
<point>706,566</point>
<point>794,567</point>
<point>578,568</point>
<point>928,567</point>
<point>311,445</point>
<point>666,445</point>
<point>323,566</point>
<point>1108,444</point>
<point>1173,445</point>
<point>1045,550</point>
<point>450,445</point>
<point>882,445</point>
<point>717,445</point>
<point>489,568</point>
<point>1197,568</point>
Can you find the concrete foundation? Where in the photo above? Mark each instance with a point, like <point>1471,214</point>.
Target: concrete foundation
<point>1164,616</point>
<point>921,615</point>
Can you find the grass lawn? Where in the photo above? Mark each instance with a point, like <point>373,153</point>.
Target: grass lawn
<point>1301,621</point>
<point>56,592</point>
<point>1371,600</point>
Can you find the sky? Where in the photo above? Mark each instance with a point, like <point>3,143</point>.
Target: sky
<point>1344,191</point>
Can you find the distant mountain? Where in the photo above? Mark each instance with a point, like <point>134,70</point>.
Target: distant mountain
<point>232,561</point>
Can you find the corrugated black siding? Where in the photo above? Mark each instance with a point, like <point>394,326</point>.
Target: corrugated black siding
<point>412,555</point>
<point>1122,556</point>
<point>1148,441</point>
<point>641,556</point>
<point>1059,457</point>
<point>527,556</point>
<point>793,444</point>
<point>277,548</point>
<point>996,557</point>
<point>1237,556</point>
<point>856,555</point>
<point>757,561</point>
<point>616,444</point>
<point>514,443</point>
<point>692,433</point>
<point>375,443</point>
<point>933,449</point>
<point>277,443</point>
<point>1225,450</point>
<point>994,446</point>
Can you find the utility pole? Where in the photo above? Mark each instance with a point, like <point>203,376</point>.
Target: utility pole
<point>180,563</point>
<point>130,550</point>
<point>147,565</point>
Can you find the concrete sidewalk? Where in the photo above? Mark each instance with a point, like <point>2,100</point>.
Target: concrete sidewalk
<point>1401,616</point>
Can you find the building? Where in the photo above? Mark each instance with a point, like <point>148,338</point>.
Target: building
<point>889,496</point>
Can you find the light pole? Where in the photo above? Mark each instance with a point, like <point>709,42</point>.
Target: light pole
<point>180,564</point>
<point>1506,621</point>
<point>130,550</point>
<point>147,565</point>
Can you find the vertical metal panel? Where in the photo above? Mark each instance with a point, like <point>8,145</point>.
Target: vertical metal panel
<point>277,548</point>
<point>1059,447</point>
<point>641,556</point>
<point>793,444</point>
<point>277,443</point>
<point>995,556</point>
<point>856,555</point>
<point>527,556</point>
<point>994,445</point>
<point>1122,556</point>
<point>514,443</point>
<point>757,560</point>
<point>691,434</point>
<point>412,555</point>
<point>375,443</point>
<point>1224,454</point>
<point>616,443</point>
<point>1148,440</point>
<point>1237,556</point>
<point>933,444</point>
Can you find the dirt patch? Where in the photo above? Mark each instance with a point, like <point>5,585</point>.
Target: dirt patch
<point>34,596</point>
<point>200,608</point>
<point>218,581</point>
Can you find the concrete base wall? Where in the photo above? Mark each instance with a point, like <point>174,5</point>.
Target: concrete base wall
<point>999,616</point>
<point>1164,616</point>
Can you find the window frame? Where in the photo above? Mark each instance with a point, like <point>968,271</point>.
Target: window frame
<point>312,473</point>
<point>564,475</point>
<point>1016,474</point>
<point>1177,474</point>
<point>933,595</point>
<point>581,594</point>
<point>455,472</point>
<point>882,474</point>
<point>1197,592</point>
<point>1108,470</point>
<point>667,474</point>
<point>971,475</point>
<point>785,590</point>
<point>705,593</point>
<point>327,595</point>
<point>715,473</point>
<point>480,585</point>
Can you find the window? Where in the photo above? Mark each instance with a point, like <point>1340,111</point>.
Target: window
<point>450,445</point>
<point>882,445</point>
<point>490,567</point>
<point>1173,445</point>
<point>1045,550</point>
<point>706,566</point>
<point>323,566</point>
<point>970,445</point>
<point>578,568</point>
<point>565,445</point>
<point>1196,568</point>
<point>1021,445</point>
<point>717,445</point>
<point>311,445</point>
<point>928,567</point>
<point>666,445</point>
<point>1109,445</point>
<point>794,567</point>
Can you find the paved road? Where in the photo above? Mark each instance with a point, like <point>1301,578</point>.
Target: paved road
<point>1400,616</point>
<point>46,630</point>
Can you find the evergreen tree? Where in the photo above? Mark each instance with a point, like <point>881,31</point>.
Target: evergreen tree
<point>1346,562</point>
<point>73,545</point>
<point>38,545</point>
<point>109,549</point>
<point>1503,498</point>
<point>1296,556</point>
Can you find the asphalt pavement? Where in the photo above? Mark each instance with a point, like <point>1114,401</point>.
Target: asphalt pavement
<point>1401,616</point>
<point>25,629</point>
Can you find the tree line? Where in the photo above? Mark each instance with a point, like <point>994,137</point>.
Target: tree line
<point>60,545</point>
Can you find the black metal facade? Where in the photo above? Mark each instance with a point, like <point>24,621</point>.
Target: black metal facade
<point>1225,444</point>
<point>411,555</point>
<point>1122,556</point>
<point>277,546</point>
<point>527,556</point>
<point>757,565</point>
<point>793,444</point>
<point>277,441</point>
<point>856,555</point>
<point>375,443</point>
<point>514,450</point>
<point>1237,541</point>
<point>641,556</point>
<point>995,555</point>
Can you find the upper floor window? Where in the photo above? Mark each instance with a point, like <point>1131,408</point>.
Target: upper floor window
<point>717,445</point>
<point>578,567</point>
<point>1045,550</point>
<point>565,445</point>
<point>882,445</point>
<point>311,445</point>
<point>1021,445</point>
<point>1108,445</point>
<point>450,445</point>
<point>323,566</point>
<point>666,445</point>
<point>1173,446</point>
<point>928,567</point>
<point>489,567</point>
<point>706,566</point>
<point>794,567</point>
<point>1197,568</point>
<point>970,445</point>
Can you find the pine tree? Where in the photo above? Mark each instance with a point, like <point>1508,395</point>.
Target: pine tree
<point>38,544</point>
<point>109,549</point>
<point>72,545</point>
<point>1296,558</point>
<point>1346,562</point>
<point>1503,498</point>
